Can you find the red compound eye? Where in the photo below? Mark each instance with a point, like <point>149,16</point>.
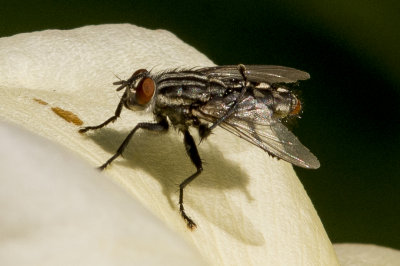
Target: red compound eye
<point>145,91</point>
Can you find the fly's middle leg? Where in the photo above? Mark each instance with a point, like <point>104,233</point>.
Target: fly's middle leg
<point>192,152</point>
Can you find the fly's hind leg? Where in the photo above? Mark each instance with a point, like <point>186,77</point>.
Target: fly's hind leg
<point>206,131</point>
<point>192,152</point>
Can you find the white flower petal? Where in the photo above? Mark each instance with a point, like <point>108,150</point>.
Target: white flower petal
<point>250,209</point>
<point>352,254</point>
<point>57,210</point>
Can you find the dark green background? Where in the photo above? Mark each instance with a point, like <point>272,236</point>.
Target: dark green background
<point>351,103</point>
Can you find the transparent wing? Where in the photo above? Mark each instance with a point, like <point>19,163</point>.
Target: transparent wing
<point>253,122</point>
<point>275,139</point>
<point>257,73</point>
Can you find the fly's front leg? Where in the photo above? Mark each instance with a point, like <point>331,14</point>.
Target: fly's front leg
<point>205,132</point>
<point>111,119</point>
<point>192,152</point>
<point>162,125</point>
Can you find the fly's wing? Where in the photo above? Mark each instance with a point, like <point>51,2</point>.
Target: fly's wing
<point>275,139</point>
<point>256,73</point>
<point>255,124</point>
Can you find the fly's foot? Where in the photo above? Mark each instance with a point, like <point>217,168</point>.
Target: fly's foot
<point>102,167</point>
<point>84,130</point>
<point>189,222</point>
<point>109,161</point>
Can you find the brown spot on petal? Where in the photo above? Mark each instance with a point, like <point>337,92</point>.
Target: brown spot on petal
<point>67,116</point>
<point>39,101</point>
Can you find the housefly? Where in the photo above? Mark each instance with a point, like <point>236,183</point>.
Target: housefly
<point>248,101</point>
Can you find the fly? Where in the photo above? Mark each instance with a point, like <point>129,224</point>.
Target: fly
<point>248,101</point>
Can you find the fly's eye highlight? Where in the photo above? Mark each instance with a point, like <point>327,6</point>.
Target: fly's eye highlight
<point>145,91</point>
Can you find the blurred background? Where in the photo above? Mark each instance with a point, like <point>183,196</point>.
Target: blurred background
<point>351,118</point>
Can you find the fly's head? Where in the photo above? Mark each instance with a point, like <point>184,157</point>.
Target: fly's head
<point>285,103</point>
<point>140,89</point>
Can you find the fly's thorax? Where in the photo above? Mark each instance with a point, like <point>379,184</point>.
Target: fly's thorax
<point>285,103</point>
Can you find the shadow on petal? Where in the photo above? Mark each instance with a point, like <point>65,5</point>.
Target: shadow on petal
<point>163,157</point>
